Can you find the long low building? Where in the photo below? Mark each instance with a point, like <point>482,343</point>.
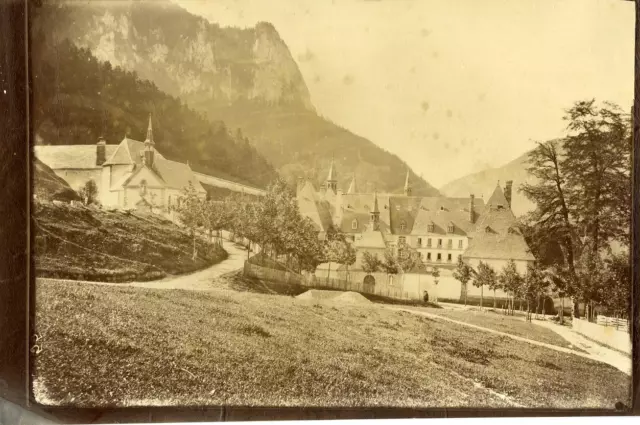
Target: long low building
<point>131,174</point>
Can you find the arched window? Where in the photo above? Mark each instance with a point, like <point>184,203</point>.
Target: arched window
<point>143,187</point>
<point>450,228</point>
<point>354,224</point>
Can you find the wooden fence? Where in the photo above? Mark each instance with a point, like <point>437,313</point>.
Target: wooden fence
<point>614,322</point>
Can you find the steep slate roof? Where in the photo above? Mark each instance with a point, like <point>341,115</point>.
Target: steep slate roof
<point>353,187</point>
<point>312,206</point>
<point>496,233</point>
<point>176,174</point>
<point>370,239</point>
<point>497,199</point>
<point>441,211</point>
<point>403,209</point>
<point>129,151</point>
<point>357,206</point>
<point>70,156</point>
<point>499,246</point>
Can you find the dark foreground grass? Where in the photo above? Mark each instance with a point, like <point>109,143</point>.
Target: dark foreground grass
<point>98,245</point>
<point>514,325</point>
<point>115,346</point>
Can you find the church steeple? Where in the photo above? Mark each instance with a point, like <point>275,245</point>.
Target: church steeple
<point>332,181</point>
<point>374,215</point>
<point>148,146</point>
<point>353,187</point>
<point>149,138</point>
<point>407,185</point>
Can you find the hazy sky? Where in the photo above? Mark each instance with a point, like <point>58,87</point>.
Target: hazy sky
<point>450,86</point>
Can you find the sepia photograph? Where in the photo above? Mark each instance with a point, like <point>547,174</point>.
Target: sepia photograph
<point>332,203</point>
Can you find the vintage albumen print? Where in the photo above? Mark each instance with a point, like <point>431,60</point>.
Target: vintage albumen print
<point>332,203</point>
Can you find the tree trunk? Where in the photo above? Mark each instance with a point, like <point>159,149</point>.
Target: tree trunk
<point>329,272</point>
<point>494,299</point>
<point>481,295</point>
<point>465,293</point>
<point>562,310</point>
<point>194,245</point>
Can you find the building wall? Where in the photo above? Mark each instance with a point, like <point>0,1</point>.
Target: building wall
<point>498,265</point>
<point>360,253</point>
<point>237,187</point>
<point>76,178</point>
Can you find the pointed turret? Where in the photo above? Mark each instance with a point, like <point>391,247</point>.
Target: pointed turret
<point>149,138</point>
<point>353,187</point>
<point>332,181</point>
<point>148,146</point>
<point>497,199</point>
<point>374,215</point>
<point>407,185</point>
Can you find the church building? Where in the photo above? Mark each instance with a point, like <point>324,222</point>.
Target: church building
<point>130,175</point>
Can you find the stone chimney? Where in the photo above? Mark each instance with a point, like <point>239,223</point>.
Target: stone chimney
<point>101,151</point>
<point>507,191</point>
<point>472,211</point>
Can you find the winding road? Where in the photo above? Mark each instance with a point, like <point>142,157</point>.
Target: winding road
<point>197,281</point>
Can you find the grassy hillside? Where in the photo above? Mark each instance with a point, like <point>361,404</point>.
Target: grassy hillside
<point>48,186</point>
<point>240,348</point>
<point>97,245</point>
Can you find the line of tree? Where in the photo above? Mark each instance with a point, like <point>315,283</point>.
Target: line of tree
<point>532,287</point>
<point>582,191</point>
<point>271,224</point>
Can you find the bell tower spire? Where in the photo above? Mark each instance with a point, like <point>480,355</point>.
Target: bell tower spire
<point>374,215</point>
<point>149,132</point>
<point>407,185</point>
<point>332,181</point>
<point>149,151</point>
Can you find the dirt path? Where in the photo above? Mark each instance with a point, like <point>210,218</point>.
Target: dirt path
<point>624,367</point>
<point>604,354</point>
<point>197,281</point>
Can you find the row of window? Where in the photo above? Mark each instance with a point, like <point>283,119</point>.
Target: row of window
<point>403,226</point>
<point>437,259</point>
<point>403,239</point>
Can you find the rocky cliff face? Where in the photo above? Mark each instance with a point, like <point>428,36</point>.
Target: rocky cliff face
<point>187,56</point>
<point>244,77</point>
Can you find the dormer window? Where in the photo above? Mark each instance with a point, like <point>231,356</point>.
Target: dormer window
<point>450,228</point>
<point>403,226</point>
<point>487,229</point>
<point>430,227</point>
<point>441,208</point>
<point>354,224</point>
